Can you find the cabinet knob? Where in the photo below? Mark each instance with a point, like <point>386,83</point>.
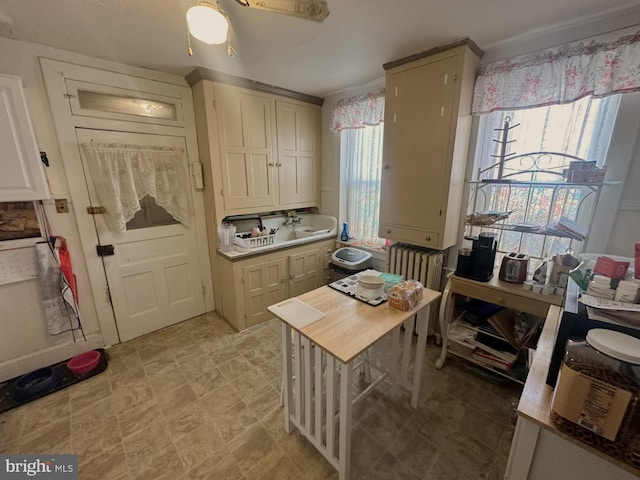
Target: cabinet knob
<point>388,230</point>
<point>428,238</point>
<point>278,164</point>
<point>386,167</point>
<point>291,276</point>
<point>270,164</point>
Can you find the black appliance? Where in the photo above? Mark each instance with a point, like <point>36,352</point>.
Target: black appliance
<point>574,324</point>
<point>477,264</point>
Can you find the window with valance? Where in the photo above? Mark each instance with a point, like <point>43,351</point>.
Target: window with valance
<point>359,122</point>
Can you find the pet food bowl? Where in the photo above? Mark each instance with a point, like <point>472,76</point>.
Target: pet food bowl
<point>35,383</point>
<point>83,363</point>
<point>370,281</point>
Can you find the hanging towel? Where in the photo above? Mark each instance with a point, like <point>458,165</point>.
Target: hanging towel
<point>57,286</point>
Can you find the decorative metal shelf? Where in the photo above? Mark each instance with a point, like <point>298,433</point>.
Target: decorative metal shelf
<point>514,228</point>
<point>550,183</point>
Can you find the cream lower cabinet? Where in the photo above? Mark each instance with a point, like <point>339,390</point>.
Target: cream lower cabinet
<point>426,133</point>
<point>250,285</point>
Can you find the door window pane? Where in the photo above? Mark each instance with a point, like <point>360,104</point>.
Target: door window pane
<point>104,102</point>
<point>150,215</point>
<point>18,220</point>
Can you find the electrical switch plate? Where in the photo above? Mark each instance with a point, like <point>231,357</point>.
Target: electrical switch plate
<point>61,205</point>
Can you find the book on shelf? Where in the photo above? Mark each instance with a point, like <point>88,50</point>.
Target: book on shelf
<point>486,358</point>
<point>496,347</point>
<point>517,328</point>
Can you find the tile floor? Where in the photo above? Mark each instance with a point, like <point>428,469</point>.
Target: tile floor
<point>199,401</point>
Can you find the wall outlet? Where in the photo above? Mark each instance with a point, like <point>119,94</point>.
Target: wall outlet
<point>62,205</point>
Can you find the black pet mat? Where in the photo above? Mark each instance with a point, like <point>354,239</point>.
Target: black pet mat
<point>65,379</point>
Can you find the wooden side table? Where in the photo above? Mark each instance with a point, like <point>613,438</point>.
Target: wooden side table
<point>510,295</point>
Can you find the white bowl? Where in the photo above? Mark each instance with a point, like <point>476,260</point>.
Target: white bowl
<point>370,281</point>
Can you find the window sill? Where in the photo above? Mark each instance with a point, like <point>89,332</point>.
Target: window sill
<point>377,252</point>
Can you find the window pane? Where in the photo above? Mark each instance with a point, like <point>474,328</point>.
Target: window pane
<point>150,215</point>
<point>18,220</point>
<point>581,129</point>
<point>361,153</point>
<point>103,102</point>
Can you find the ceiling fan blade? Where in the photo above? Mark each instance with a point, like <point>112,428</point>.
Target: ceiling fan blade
<point>316,10</point>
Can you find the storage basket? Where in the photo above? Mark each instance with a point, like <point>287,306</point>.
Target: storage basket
<point>254,242</point>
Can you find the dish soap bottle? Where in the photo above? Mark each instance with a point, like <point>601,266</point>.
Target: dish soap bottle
<point>344,236</point>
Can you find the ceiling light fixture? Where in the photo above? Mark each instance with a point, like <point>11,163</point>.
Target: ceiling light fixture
<point>208,23</point>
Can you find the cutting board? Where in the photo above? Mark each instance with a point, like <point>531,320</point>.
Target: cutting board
<point>296,313</point>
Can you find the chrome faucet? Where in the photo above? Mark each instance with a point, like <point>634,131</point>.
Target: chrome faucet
<point>292,219</point>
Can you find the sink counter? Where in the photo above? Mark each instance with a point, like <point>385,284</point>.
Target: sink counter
<point>286,237</point>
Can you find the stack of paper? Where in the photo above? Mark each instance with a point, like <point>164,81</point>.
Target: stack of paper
<point>565,227</point>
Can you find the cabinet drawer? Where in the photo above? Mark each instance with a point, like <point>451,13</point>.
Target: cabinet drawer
<point>409,235</point>
<point>506,299</point>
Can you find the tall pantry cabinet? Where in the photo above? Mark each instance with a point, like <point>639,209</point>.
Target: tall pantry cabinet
<point>427,124</point>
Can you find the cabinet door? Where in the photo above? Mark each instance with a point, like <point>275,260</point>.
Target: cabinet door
<point>304,272</point>
<point>298,153</point>
<point>264,285</point>
<point>22,174</point>
<point>246,149</point>
<point>418,142</point>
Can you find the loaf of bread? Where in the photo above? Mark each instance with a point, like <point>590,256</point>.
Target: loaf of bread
<point>405,295</point>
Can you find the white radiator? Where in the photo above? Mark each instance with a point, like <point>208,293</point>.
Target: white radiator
<point>421,264</point>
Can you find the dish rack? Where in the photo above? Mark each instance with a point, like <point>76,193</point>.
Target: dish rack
<point>254,242</point>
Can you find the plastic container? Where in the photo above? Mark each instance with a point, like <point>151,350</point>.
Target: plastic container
<point>597,397</point>
<point>226,237</point>
<point>627,291</point>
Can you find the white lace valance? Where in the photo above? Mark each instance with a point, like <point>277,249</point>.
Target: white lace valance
<point>356,112</point>
<point>124,174</point>
<point>559,75</point>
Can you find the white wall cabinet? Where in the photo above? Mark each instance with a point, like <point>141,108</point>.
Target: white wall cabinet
<point>22,176</point>
<point>426,135</point>
<point>250,285</point>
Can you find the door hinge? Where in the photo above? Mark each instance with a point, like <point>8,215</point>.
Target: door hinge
<point>108,292</point>
<point>455,77</point>
<point>68,95</point>
<point>203,291</point>
<point>222,192</point>
<point>440,213</point>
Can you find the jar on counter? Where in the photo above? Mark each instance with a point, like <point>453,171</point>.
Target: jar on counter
<point>600,286</point>
<point>597,397</point>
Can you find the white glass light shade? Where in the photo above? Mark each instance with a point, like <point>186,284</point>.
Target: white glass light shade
<point>207,24</point>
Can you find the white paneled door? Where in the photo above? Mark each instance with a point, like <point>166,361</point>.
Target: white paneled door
<point>153,275</point>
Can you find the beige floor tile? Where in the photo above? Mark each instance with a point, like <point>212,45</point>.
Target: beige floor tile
<point>145,443</point>
<point>160,365</point>
<point>233,421</point>
<point>88,418</point>
<point>415,452</point>
<point>389,467</point>
<point>168,380</point>
<point>173,399</point>
<point>220,399</point>
<point>199,443</point>
<point>164,465</point>
<point>218,465</point>
<point>253,449</point>
<point>207,382</point>
<point>11,423</point>
<point>482,427</point>
<point>263,401</point>
<point>48,438</point>
<point>186,419</point>
<point>196,364</point>
<point>87,397</point>
<point>134,395</point>
<point>87,443</point>
<point>139,418</point>
<point>282,469</point>
<point>110,465</point>
<point>248,382</point>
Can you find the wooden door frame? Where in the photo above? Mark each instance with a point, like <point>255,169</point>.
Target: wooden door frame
<point>55,73</point>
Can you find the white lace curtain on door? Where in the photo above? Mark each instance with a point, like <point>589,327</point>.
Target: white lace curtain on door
<point>124,174</point>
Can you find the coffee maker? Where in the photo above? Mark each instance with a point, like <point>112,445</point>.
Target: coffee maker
<point>477,262</point>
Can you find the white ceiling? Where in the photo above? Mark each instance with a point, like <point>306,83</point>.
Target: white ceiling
<point>346,50</point>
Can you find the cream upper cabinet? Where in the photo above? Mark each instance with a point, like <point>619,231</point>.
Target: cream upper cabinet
<point>426,134</point>
<point>298,129</point>
<point>247,159</point>
<point>22,171</point>
<point>263,149</point>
